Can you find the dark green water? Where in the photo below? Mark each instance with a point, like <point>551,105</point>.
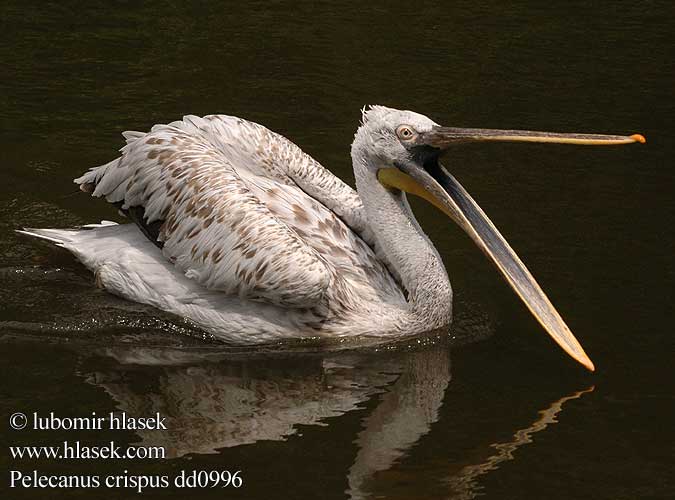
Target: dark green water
<point>508,416</point>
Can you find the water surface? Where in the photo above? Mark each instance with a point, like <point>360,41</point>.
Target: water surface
<point>504,416</point>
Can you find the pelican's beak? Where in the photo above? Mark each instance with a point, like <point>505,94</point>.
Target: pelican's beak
<point>432,182</point>
<point>442,137</point>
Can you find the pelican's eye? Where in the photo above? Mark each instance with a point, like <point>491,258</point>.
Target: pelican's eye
<point>405,133</point>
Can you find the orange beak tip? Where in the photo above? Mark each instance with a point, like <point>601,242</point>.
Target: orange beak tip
<point>639,138</point>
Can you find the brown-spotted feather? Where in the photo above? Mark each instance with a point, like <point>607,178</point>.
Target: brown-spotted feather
<point>237,213</point>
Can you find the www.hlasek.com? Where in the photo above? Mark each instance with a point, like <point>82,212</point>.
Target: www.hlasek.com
<point>75,450</point>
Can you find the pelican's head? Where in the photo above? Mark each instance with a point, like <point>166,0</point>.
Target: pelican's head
<point>404,149</point>
<point>385,133</point>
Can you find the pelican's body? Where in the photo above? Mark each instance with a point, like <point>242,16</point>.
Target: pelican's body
<point>260,242</point>
<point>240,231</point>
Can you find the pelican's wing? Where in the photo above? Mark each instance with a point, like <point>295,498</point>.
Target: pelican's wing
<point>231,203</point>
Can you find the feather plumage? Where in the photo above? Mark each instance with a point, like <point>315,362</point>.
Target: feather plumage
<point>244,211</point>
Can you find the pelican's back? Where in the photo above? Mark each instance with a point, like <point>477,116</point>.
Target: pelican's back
<point>242,210</point>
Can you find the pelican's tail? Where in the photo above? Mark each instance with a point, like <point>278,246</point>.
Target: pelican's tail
<point>56,236</point>
<point>61,237</point>
<point>99,245</point>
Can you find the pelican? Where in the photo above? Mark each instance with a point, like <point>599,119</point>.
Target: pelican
<point>240,231</point>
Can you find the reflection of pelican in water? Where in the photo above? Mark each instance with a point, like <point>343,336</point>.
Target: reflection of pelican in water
<point>255,241</point>
<point>232,402</point>
<point>241,401</point>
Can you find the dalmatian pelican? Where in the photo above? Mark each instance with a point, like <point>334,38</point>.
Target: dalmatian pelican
<point>238,230</point>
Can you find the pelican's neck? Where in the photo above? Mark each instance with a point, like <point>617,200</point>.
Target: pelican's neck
<point>407,249</point>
